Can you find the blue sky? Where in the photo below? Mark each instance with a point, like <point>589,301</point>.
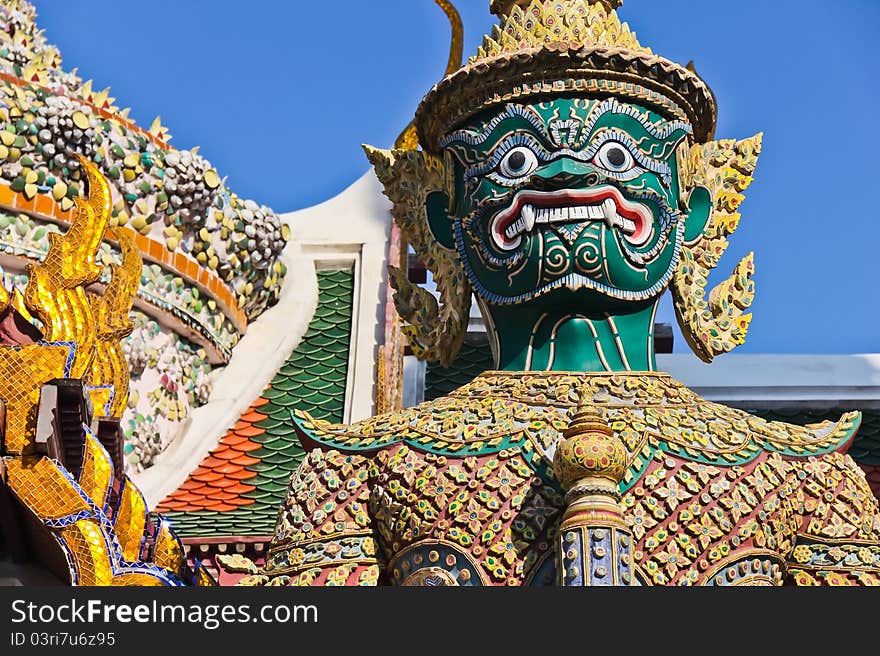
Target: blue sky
<point>280,94</point>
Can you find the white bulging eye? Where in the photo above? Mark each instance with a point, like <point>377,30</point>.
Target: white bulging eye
<point>518,162</point>
<point>614,156</point>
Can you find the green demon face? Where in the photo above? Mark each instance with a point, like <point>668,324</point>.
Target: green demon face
<point>569,195</point>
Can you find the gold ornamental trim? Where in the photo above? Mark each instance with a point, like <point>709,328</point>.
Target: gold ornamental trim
<point>553,46</point>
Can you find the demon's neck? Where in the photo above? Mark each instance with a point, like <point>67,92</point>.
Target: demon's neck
<point>536,338</point>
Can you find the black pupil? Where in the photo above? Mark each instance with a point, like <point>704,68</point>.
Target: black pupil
<point>616,157</point>
<point>517,160</point>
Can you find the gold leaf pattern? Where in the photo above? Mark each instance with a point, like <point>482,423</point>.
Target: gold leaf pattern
<point>435,331</point>
<point>718,324</point>
<point>544,21</point>
<point>715,496</point>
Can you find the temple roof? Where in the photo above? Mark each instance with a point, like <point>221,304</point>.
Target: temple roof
<point>238,489</point>
<point>194,232</point>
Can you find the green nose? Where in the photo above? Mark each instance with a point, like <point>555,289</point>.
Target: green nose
<point>566,172</point>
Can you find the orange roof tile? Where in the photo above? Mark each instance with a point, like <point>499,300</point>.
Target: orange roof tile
<point>200,489</point>
<point>247,447</point>
<point>228,468</point>
<point>219,506</point>
<point>240,488</point>
<point>223,453</point>
<point>216,484</point>
<point>207,477</point>
<point>223,496</point>
<point>175,505</point>
<point>234,440</point>
<point>189,497</point>
<point>245,460</point>
<point>247,430</point>
<point>242,475</point>
<point>210,462</point>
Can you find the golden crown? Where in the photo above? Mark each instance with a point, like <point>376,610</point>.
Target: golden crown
<point>545,47</point>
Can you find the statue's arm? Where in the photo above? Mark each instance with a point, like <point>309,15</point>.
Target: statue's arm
<point>839,538</point>
<point>324,534</point>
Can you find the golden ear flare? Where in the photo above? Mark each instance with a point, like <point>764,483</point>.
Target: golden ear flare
<point>718,324</point>
<point>435,330</point>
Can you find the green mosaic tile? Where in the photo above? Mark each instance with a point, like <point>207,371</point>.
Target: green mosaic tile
<point>312,379</point>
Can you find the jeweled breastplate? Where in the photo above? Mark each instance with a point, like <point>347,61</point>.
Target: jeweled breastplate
<point>502,483</point>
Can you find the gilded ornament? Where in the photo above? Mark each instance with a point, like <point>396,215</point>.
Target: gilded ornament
<point>567,178</point>
<point>82,334</point>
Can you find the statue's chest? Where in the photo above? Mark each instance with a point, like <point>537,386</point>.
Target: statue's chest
<point>492,520</point>
<point>690,520</point>
<point>477,520</point>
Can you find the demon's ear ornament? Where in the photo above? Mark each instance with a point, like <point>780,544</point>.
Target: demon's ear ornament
<point>416,183</point>
<point>716,324</point>
<point>419,184</point>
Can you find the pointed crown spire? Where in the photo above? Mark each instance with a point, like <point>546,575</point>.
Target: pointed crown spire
<point>501,8</point>
<point>558,46</point>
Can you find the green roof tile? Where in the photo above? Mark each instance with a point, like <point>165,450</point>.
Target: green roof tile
<point>312,379</point>
<point>472,360</point>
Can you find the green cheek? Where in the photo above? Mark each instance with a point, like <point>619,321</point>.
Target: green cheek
<point>624,275</point>
<point>514,279</point>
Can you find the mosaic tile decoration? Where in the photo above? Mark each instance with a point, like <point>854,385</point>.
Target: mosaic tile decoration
<point>180,209</point>
<point>865,450</point>
<point>239,487</point>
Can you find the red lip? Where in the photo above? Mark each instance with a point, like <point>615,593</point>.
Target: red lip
<point>636,212</point>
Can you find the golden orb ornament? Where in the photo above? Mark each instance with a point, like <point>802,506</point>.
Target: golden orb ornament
<point>588,450</point>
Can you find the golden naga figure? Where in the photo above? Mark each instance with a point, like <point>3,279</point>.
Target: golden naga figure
<point>63,388</point>
<point>566,176</point>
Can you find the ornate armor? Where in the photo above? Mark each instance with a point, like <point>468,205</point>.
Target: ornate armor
<point>567,178</point>
<point>466,491</point>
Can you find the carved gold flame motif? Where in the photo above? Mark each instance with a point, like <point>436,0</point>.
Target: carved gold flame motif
<point>111,312</point>
<point>82,333</point>
<point>56,289</point>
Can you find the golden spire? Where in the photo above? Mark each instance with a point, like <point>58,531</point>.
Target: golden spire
<point>571,24</point>
<point>594,542</point>
<point>563,46</point>
<point>501,8</point>
<point>409,139</point>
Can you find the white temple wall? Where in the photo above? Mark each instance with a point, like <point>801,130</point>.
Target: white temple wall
<point>351,228</point>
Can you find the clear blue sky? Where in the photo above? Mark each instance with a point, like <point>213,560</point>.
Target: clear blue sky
<point>280,94</point>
